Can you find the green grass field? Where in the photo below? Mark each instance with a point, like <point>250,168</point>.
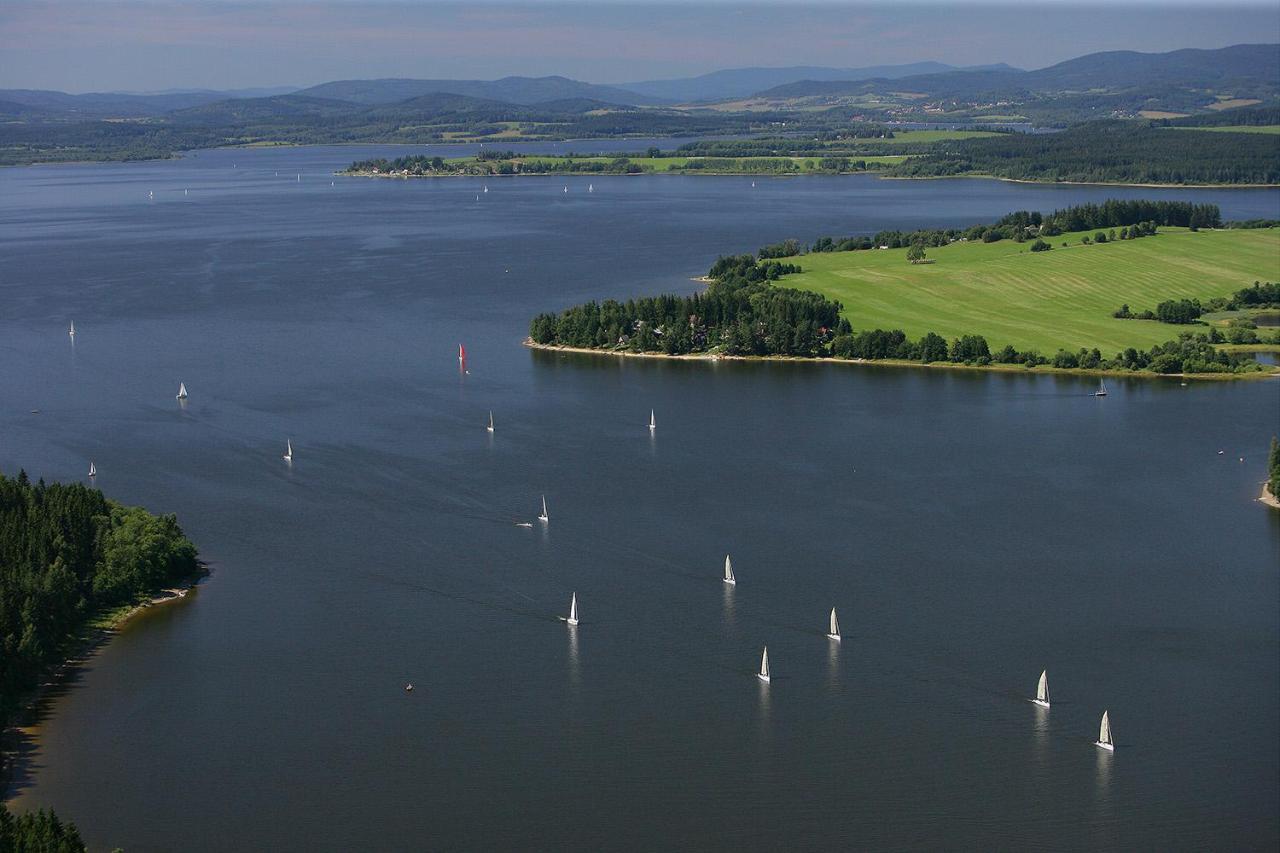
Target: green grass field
<point>1237,128</point>
<point>903,136</point>
<point>1043,300</point>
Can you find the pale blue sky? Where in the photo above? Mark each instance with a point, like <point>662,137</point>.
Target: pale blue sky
<point>99,45</point>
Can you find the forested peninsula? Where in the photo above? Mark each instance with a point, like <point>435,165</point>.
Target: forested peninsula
<point>743,312</point>
<point>70,557</point>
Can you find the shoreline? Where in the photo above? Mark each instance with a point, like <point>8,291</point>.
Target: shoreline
<point>1041,370</point>
<point>1267,498</point>
<point>1081,183</point>
<point>97,632</point>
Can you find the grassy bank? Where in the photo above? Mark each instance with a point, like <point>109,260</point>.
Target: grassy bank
<point>1062,298</point>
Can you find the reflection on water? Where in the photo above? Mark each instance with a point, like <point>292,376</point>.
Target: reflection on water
<point>833,664</point>
<point>574,670</point>
<point>727,607</point>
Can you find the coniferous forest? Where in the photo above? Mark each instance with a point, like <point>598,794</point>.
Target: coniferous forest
<point>66,552</point>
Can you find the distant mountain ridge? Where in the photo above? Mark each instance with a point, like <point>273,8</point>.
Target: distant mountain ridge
<point>1254,67</point>
<point>514,90</point>
<point>741,82</point>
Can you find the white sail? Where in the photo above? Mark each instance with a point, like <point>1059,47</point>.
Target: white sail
<point>728,571</point>
<point>93,470</point>
<point>72,330</point>
<point>486,187</point>
<point>763,674</point>
<point>182,391</point>
<point>288,449</point>
<point>833,629</point>
<point>1104,732</point>
<point>1042,689</point>
<point>653,421</point>
<point>545,515</point>
<point>591,188</point>
<point>573,610</point>
<point>490,427</point>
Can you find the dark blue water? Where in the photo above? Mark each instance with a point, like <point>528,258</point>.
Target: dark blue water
<point>972,529</point>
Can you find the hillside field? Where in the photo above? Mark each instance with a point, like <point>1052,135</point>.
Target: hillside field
<point>1062,298</point>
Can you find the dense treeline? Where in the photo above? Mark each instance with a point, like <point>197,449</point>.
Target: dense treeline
<point>1136,219</point>
<point>65,552</point>
<point>1259,116</point>
<point>1108,152</point>
<point>508,163</point>
<point>740,313</point>
<point>1273,468</point>
<point>37,832</point>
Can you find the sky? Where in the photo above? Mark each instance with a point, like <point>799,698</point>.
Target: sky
<point>154,45</point>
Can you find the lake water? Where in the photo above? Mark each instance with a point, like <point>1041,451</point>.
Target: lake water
<point>972,529</point>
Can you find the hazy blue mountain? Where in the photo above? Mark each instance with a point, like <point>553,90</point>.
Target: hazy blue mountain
<point>1250,70</point>
<point>516,90</point>
<point>94,105</point>
<point>741,82</point>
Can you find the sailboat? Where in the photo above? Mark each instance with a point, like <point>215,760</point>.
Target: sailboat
<point>728,572</point>
<point>1104,734</point>
<point>151,193</point>
<point>182,391</point>
<point>763,674</point>
<point>1042,690</point>
<point>490,426</point>
<point>72,330</point>
<point>566,189</point>
<point>653,422</point>
<point>462,353</point>
<point>545,517</point>
<point>486,187</point>
<point>288,450</point>
<point>299,178</point>
<point>93,470</point>
<point>833,627</point>
<point>591,188</point>
<point>573,611</point>
<point>1102,389</point>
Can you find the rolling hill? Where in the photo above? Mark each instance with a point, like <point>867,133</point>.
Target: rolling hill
<point>515,90</point>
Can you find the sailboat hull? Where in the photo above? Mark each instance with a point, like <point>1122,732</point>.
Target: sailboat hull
<point>572,623</point>
<point>1040,702</point>
<point>1109,747</point>
<point>731,581</point>
<point>835,637</point>
<point>762,677</point>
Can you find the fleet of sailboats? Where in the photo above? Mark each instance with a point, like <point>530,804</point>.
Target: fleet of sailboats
<point>728,572</point>
<point>1104,740</point>
<point>1042,690</point>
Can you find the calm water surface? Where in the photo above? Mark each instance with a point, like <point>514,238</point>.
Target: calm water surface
<point>971,529</point>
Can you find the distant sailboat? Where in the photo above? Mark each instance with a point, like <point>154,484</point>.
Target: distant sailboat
<point>653,422</point>
<point>1042,690</point>
<point>486,187</point>
<point>186,192</point>
<point>299,178</point>
<point>728,572</point>
<point>490,427</point>
<point>833,626</point>
<point>93,470</point>
<point>151,193</point>
<point>763,674</point>
<point>753,183</point>
<point>573,611</point>
<point>1102,389</point>
<point>288,450</point>
<point>462,353</point>
<point>591,188</point>
<point>1104,734</point>
<point>545,517</point>
<point>566,189</point>
<point>72,330</point>
<point>182,391</point>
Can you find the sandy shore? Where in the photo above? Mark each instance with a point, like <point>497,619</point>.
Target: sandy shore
<point>97,633</point>
<point>1269,499</point>
<point>1042,370</point>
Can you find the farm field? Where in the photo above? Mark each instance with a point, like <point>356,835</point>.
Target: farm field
<point>1062,298</point>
